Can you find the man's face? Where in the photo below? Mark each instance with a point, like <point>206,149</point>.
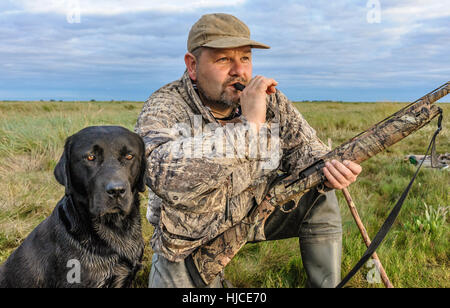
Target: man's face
<point>218,69</point>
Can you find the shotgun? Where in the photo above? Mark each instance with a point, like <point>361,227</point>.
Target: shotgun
<point>209,260</point>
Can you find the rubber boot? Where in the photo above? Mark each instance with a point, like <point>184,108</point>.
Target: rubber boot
<point>322,262</point>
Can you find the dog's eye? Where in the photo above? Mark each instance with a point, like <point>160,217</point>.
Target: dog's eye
<point>90,157</point>
<point>129,156</point>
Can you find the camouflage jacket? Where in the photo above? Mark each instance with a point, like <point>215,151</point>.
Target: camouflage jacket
<point>195,196</point>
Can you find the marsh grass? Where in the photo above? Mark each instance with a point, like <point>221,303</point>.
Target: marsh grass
<point>32,137</point>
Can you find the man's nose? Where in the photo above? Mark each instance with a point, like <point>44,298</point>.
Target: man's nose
<point>115,189</point>
<point>237,69</point>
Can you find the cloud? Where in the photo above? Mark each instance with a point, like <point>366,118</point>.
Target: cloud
<point>332,45</point>
<point>320,49</point>
<point>410,11</point>
<point>117,7</point>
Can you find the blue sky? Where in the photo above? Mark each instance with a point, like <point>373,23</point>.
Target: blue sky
<point>365,50</point>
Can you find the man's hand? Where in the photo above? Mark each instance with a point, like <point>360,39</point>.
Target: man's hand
<point>341,175</point>
<point>253,99</point>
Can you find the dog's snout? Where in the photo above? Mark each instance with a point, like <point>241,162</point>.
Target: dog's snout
<point>116,189</point>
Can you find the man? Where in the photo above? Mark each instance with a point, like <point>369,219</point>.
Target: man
<point>196,198</point>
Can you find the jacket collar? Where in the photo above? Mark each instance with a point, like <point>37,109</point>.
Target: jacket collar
<point>195,101</point>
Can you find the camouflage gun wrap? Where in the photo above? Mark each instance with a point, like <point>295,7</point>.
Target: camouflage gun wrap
<point>210,259</point>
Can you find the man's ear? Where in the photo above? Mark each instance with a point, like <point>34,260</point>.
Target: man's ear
<point>62,172</point>
<point>191,65</point>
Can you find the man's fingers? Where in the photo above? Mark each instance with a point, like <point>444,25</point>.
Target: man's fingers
<point>341,175</point>
<point>340,172</point>
<point>271,89</point>
<point>355,168</point>
<point>345,171</point>
<point>271,84</point>
<point>266,84</point>
<point>332,182</point>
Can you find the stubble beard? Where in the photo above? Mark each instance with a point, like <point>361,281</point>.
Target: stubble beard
<point>223,100</point>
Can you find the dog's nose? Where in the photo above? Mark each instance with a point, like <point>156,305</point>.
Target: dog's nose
<point>115,189</point>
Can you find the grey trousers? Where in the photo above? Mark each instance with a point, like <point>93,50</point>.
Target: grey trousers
<point>316,219</point>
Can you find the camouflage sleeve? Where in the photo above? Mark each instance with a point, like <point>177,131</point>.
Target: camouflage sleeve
<point>300,144</point>
<point>179,170</point>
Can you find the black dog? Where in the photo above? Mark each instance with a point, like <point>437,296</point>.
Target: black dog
<point>93,237</point>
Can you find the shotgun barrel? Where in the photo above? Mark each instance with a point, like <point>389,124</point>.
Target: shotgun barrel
<point>375,139</point>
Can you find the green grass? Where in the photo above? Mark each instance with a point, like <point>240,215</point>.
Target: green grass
<point>414,254</point>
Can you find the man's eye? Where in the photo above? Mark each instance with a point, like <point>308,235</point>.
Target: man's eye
<point>129,156</point>
<point>223,60</point>
<point>90,157</point>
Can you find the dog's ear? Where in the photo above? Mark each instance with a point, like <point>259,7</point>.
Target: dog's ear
<point>62,170</point>
<point>143,169</point>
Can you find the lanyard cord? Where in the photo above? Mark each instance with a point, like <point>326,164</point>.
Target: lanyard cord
<point>379,237</point>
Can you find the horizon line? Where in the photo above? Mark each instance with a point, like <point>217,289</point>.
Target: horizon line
<point>143,101</point>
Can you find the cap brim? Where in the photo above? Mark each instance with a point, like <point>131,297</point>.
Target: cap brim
<point>234,42</point>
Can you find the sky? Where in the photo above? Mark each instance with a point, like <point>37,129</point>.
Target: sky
<point>344,50</point>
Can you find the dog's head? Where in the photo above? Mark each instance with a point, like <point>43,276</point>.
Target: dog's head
<point>104,168</point>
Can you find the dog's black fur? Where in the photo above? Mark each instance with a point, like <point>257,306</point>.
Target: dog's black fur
<point>97,223</point>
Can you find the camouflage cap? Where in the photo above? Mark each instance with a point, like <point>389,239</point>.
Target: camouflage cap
<point>220,31</point>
